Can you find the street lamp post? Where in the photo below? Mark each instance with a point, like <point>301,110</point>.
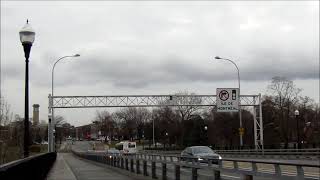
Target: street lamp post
<point>52,122</point>
<point>296,113</point>
<point>166,139</point>
<point>27,36</point>
<point>153,142</point>
<point>240,116</point>
<point>206,135</point>
<point>143,139</point>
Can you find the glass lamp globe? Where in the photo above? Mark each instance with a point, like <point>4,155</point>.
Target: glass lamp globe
<point>27,34</point>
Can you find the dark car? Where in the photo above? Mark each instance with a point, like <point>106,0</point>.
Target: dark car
<point>113,152</point>
<point>200,154</point>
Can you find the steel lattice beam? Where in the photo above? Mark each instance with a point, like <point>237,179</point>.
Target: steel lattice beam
<point>141,101</point>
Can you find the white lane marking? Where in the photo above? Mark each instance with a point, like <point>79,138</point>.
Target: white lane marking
<point>234,177</point>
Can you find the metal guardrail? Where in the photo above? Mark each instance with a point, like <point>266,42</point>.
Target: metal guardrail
<point>274,153</point>
<point>312,150</point>
<point>132,163</point>
<point>259,151</point>
<point>313,153</point>
<point>33,167</point>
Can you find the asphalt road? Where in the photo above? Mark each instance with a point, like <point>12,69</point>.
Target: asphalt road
<point>82,145</point>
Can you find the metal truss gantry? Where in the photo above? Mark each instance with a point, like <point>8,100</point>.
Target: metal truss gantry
<point>158,101</point>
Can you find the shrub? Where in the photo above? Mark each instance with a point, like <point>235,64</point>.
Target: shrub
<point>35,148</point>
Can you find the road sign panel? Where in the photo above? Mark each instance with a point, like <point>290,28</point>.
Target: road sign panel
<point>227,99</point>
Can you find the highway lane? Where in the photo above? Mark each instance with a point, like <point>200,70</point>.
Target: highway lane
<point>82,145</point>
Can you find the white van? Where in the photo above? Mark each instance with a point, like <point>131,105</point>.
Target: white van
<point>127,147</point>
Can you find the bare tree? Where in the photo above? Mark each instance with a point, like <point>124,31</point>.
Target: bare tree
<point>44,130</point>
<point>105,123</point>
<point>167,124</point>
<point>286,97</point>
<point>132,121</point>
<point>59,120</point>
<point>6,117</point>
<point>308,118</point>
<point>186,112</point>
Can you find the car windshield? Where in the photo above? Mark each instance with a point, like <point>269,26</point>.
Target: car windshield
<point>198,150</point>
<point>131,145</point>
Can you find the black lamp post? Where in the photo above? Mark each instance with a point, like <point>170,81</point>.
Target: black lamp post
<point>296,113</point>
<point>27,36</point>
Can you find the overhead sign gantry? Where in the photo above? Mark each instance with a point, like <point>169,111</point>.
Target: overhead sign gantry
<point>158,101</point>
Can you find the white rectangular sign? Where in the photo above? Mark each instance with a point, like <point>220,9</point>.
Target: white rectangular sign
<point>227,99</point>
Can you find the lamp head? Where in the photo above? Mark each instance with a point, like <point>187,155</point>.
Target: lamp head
<point>27,34</point>
<point>296,112</point>
<point>217,57</point>
<point>76,55</point>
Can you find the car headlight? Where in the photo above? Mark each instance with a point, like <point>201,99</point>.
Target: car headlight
<point>220,157</point>
<point>200,159</point>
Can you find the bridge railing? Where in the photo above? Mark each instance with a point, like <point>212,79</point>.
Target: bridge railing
<point>296,151</point>
<point>34,167</point>
<point>145,163</point>
<point>313,153</point>
<point>255,151</point>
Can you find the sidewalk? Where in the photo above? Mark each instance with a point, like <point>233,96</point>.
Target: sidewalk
<point>70,167</point>
<point>61,170</point>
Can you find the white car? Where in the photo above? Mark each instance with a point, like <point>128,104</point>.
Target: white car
<point>127,147</point>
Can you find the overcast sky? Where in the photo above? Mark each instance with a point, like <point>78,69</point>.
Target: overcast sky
<point>142,47</point>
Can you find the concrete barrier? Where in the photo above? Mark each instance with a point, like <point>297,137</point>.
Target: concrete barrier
<point>34,167</point>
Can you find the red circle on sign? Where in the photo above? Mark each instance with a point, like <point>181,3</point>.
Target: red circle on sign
<point>224,95</point>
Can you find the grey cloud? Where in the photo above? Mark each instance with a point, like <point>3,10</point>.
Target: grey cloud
<point>13,71</point>
<point>138,72</point>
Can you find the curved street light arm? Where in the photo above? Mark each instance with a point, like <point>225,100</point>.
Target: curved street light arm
<point>52,75</point>
<point>237,70</point>
<point>52,124</point>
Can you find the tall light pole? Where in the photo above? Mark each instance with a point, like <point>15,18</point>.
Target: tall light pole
<point>296,113</point>
<point>154,143</point>
<point>206,135</point>
<point>52,122</point>
<point>27,36</point>
<point>240,116</point>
